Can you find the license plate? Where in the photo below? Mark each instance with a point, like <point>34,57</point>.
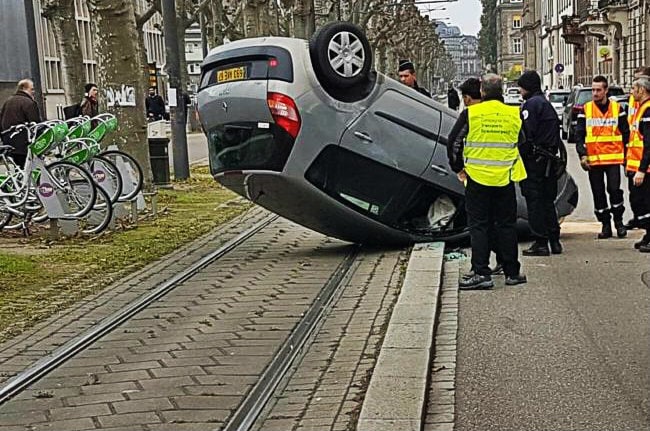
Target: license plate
<point>232,74</point>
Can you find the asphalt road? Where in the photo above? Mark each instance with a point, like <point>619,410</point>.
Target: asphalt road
<point>570,350</point>
<point>197,149</point>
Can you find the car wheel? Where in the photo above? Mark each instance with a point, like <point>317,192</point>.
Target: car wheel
<point>341,55</point>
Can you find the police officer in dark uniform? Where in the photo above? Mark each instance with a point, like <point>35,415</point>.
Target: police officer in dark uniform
<point>539,151</point>
<point>406,73</point>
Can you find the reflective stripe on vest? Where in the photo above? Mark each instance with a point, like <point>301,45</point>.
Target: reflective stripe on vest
<point>632,107</point>
<point>490,152</point>
<point>603,140</point>
<point>635,146</point>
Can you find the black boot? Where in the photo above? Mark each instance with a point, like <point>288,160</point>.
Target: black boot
<point>606,232</point>
<point>539,248</point>
<point>621,231</point>
<point>556,246</point>
<point>632,223</point>
<point>645,241</point>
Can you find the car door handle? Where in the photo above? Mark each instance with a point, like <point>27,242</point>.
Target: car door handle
<point>440,169</point>
<point>363,136</point>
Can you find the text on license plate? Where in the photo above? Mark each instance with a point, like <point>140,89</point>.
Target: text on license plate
<point>232,74</point>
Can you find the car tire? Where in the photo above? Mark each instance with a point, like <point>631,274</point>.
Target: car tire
<point>564,135</point>
<point>341,55</point>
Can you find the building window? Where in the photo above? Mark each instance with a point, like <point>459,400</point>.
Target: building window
<point>516,46</point>
<point>516,21</point>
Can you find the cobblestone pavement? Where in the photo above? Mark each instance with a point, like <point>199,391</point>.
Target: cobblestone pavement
<point>25,349</point>
<point>440,412</point>
<point>186,362</point>
<point>326,391</point>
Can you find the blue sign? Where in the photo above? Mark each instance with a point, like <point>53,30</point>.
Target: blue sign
<point>559,68</point>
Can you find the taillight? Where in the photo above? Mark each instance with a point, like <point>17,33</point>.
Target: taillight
<point>577,108</point>
<point>273,62</point>
<point>284,112</point>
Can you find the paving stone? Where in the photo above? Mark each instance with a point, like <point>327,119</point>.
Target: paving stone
<point>388,425</point>
<point>94,399</point>
<point>190,416</point>
<point>119,420</point>
<point>401,362</point>
<point>67,425</point>
<point>85,411</point>
<point>132,406</point>
<point>206,402</point>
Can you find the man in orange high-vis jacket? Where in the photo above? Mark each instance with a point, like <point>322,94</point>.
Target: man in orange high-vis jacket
<point>601,135</point>
<point>637,163</point>
<point>632,107</point>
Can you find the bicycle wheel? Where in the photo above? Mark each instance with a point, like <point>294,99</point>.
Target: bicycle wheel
<point>106,176</point>
<point>100,215</point>
<point>67,178</point>
<point>130,170</point>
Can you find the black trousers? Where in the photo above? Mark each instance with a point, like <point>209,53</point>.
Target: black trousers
<point>540,192</point>
<point>597,175</point>
<point>492,208</point>
<point>640,202</point>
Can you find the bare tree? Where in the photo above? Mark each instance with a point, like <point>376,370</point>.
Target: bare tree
<point>122,76</point>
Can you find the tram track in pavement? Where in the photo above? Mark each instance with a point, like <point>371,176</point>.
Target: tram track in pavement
<point>79,343</point>
<point>90,372</point>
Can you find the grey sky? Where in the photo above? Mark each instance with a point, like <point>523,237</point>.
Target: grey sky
<point>465,14</point>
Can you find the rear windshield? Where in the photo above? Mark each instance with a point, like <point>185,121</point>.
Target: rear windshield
<point>557,97</point>
<point>512,91</point>
<point>265,62</point>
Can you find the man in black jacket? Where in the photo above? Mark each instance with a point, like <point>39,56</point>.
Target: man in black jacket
<point>406,73</point>
<point>155,106</point>
<point>19,109</point>
<point>542,130</point>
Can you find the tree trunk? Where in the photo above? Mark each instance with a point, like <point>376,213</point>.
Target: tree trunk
<point>61,16</point>
<point>122,78</point>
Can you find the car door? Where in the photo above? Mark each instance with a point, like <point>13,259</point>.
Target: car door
<point>398,130</point>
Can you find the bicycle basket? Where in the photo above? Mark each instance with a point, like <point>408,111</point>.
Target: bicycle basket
<point>80,130</point>
<point>98,132</point>
<point>60,131</point>
<point>42,142</point>
<point>79,156</point>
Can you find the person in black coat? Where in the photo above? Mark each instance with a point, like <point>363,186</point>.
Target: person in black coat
<point>453,101</point>
<point>542,131</point>
<point>406,73</point>
<point>19,109</point>
<point>155,106</point>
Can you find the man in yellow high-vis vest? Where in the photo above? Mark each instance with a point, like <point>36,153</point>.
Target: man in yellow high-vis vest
<point>601,135</point>
<point>632,107</point>
<point>490,164</point>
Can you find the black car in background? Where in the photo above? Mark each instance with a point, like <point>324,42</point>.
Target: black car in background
<point>575,105</point>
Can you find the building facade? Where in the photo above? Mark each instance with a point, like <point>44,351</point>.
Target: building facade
<point>570,41</point>
<point>463,50</point>
<point>510,41</point>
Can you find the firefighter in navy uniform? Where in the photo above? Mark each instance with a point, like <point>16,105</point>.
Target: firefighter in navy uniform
<point>542,129</point>
<point>601,135</point>
<point>632,107</point>
<point>637,163</point>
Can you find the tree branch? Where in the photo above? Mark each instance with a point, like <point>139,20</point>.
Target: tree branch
<point>140,20</point>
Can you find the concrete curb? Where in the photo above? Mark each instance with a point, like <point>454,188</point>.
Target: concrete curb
<point>396,396</point>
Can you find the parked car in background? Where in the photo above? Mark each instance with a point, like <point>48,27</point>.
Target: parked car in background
<point>558,98</point>
<point>575,105</point>
<point>512,96</point>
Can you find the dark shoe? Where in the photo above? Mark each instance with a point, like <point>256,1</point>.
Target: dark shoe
<point>644,241</point>
<point>621,231</point>
<point>476,282</point>
<point>645,248</point>
<point>539,248</point>
<point>468,275</point>
<point>497,270</point>
<point>606,231</point>
<point>632,223</point>
<point>516,279</point>
<point>556,246</point>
